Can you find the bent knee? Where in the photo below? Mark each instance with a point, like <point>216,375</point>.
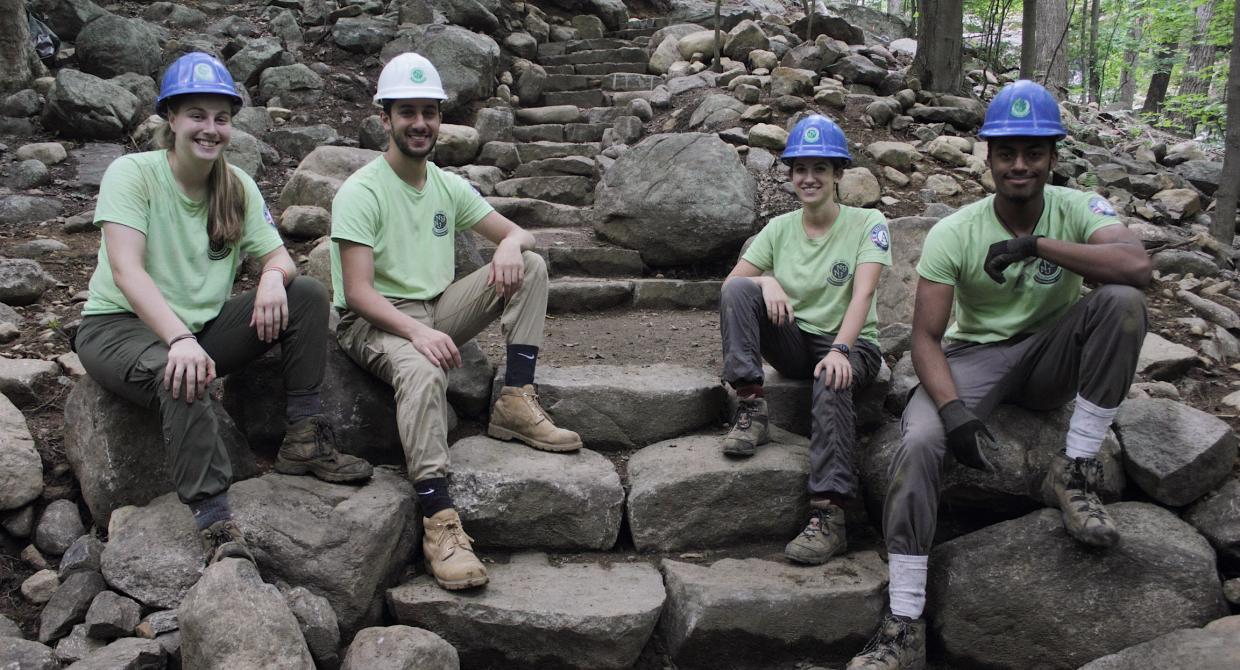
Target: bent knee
<point>307,289</point>
<point>736,288</point>
<point>534,264</point>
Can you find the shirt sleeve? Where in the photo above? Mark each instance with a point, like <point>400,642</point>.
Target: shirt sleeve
<point>761,253</point>
<point>875,246</point>
<point>355,215</point>
<point>1096,213</point>
<point>471,207</point>
<point>123,196</point>
<point>938,262</point>
<point>259,236</point>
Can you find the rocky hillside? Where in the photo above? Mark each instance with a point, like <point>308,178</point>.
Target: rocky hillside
<point>599,125</point>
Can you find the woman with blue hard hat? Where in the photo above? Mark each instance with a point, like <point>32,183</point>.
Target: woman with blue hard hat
<point>802,297</point>
<point>159,325</point>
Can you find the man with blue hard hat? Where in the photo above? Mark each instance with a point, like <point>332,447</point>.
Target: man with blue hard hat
<point>1013,265</point>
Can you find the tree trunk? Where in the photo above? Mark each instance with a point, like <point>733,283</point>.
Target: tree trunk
<point>1201,54</point>
<point>1095,82</point>
<point>1157,92</point>
<point>940,45</point>
<point>16,53</point>
<point>1128,75</point>
<point>717,65</point>
<point>1029,39</point>
<point>1051,66</point>
<point>1224,226</point>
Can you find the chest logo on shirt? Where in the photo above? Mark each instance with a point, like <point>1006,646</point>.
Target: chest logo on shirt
<point>218,251</point>
<point>1048,273</point>
<point>441,224</point>
<point>880,237</point>
<point>839,274</point>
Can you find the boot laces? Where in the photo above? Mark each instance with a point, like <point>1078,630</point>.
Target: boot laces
<point>324,437</point>
<point>744,414</point>
<point>1082,481</point>
<point>531,399</point>
<point>887,643</point>
<point>453,536</point>
<point>819,522</point>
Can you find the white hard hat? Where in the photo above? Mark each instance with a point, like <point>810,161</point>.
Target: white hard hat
<point>409,75</point>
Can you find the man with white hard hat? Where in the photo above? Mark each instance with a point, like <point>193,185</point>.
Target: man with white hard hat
<point>393,261</point>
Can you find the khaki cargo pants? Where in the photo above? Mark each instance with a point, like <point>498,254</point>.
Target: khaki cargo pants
<point>464,308</point>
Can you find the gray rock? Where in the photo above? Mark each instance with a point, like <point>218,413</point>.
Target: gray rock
<point>547,115</point>
<point>530,82</point>
<point>321,173</point>
<point>585,295</point>
<point>231,597</point>
<point>67,17</point>
<point>342,542</point>
<point>898,285</point>
<point>830,25</point>
<point>318,624</point>
<point>22,654</point>
<point>1214,517</point>
<point>295,85</point>
<point>27,209</point>
<point>158,623</point>
<point>127,654</point>
<point>1164,360</point>
<point>512,496</point>
<point>494,124</point>
<point>457,145</point>
<point>760,611</point>
<point>468,62</point>
<point>69,604</point>
<point>18,523</point>
<point>94,158</point>
<point>962,119</point>
<point>400,648</point>
<point>1200,649</point>
<point>564,190</point>
<point>38,588</point>
<point>363,34</point>
<point>760,498</point>
<point>141,86</point>
<point>285,26</point>
<point>117,452</point>
<point>81,105</point>
<point>112,45</point>
<point>900,155</point>
<point>48,153</point>
<point>1203,174</point>
<point>21,469</point>
<point>1211,311</point>
<point>58,527</point>
<point>613,13</point>
<point>1182,261</point>
<point>298,141</point>
<point>254,120</point>
<point>522,45</point>
<point>8,628</point>
<point>245,152</point>
<point>789,400</point>
<point>77,645</point>
<point>469,386</point>
<point>111,616</point>
<point>174,15</point>
<point>257,55</point>
<point>1162,576</point>
<point>23,380</point>
<point>29,174</point>
<point>371,134</point>
<point>858,69</point>
<point>1174,452</point>
<point>859,187</point>
<point>305,223</point>
<point>1177,204</point>
<point>581,615</point>
<point>716,111</point>
<point>665,173</point>
<point>469,13</point>
<point>83,554</point>
<point>39,248</point>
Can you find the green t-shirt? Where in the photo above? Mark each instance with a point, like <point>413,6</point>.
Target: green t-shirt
<point>817,274</point>
<point>139,191</point>
<point>411,231</point>
<point>1037,292</point>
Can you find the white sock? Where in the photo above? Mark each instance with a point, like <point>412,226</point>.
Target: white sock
<point>1088,428</point>
<point>907,584</point>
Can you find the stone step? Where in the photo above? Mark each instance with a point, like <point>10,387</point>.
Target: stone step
<point>557,132</point>
<point>528,152</point>
<point>561,69</point>
<point>512,496</point>
<point>533,614</point>
<point>569,82</point>
<point>757,613</point>
<point>587,98</point>
<point>550,114</point>
<point>620,55</point>
<point>577,252</point>
<point>631,33</point>
<point>617,407</point>
<point>551,49</point>
<point>533,213</point>
<point>564,190</point>
<point>607,68</point>
<point>573,295</point>
<point>789,400</point>
<point>628,81</point>
<point>754,499</point>
<point>603,114</point>
<point>580,166</point>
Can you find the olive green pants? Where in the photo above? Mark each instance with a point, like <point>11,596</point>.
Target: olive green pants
<point>126,357</point>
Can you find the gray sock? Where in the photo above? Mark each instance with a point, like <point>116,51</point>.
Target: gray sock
<point>211,510</point>
<point>302,405</point>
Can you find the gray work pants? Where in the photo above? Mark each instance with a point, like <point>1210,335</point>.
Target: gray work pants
<point>1092,351</point>
<point>749,336</point>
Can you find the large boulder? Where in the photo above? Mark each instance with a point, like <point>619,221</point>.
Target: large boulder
<point>320,174</point>
<point>678,199</point>
<point>22,654</point>
<point>229,598</point>
<point>22,282</point>
<point>1203,174</point>
<point>742,39</point>
<point>345,543</point>
<point>256,56</point>
<point>1174,452</point>
<point>67,17</point>
<point>81,105</point>
<point>20,208</point>
<point>113,45</point>
<point>400,648</point>
<point>130,653</point>
<point>717,111</point>
<point>898,285</point>
<point>612,12</point>
<point>1214,516</point>
<point>471,14</point>
<point>293,85</point>
<point>1209,648</point>
<point>21,469</point>
<point>363,34</point>
<point>468,62</point>
<point>876,25</point>
<point>831,26</point>
<point>1162,577</point>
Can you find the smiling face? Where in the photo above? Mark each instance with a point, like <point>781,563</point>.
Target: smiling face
<point>814,180</point>
<point>201,125</point>
<point>1021,166</point>
<point>413,126</point>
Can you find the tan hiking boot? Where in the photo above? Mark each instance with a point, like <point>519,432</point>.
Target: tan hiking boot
<point>449,555</point>
<point>822,538</point>
<point>223,539</point>
<point>1071,484</point>
<point>749,428</point>
<point>310,447</point>
<point>899,644</point>
<point>517,415</point>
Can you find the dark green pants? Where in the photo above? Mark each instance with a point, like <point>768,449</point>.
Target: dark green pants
<point>126,357</point>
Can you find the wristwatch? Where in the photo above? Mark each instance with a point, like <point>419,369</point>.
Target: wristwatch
<point>841,347</point>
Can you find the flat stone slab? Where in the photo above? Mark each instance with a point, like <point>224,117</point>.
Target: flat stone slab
<point>536,151</point>
<point>622,55</point>
<point>548,114</point>
<point>676,294</point>
<point>21,379</point>
<point>92,161</point>
<point>789,400</point>
<point>685,494</point>
<point>755,611</point>
<point>21,469</point>
<point>617,407</point>
<point>589,98</point>
<point>1196,648</point>
<point>510,495</point>
<point>1174,452</point>
<point>345,543</point>
<point>565,190</point>
<point>579,615</point>
<point>533,213</point>
<point>587,295</point>
<point>1164,360</point>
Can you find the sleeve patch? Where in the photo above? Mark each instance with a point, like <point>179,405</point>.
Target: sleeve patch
<point>880,237</point>
<point>267,216</point>
<point>1099,205</point>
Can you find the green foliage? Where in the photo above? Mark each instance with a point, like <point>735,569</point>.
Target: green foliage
<point>1210,115</point>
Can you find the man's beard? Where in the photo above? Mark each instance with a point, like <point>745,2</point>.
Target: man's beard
<point>402,144</point>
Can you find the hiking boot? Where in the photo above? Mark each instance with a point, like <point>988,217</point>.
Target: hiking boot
<point>449,555</point>
<point>822,538</point>
<point>899,644</point>
<point>1071,484</point>
<point>517,415</point>
<point>749,428</point>
<point>310,447</point>
<point>223,539</point>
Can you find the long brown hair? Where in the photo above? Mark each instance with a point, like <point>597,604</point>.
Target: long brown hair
<point>226,199</point>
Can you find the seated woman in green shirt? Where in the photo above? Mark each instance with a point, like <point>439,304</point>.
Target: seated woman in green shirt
<point>803,298</point>
<point>159,326</point>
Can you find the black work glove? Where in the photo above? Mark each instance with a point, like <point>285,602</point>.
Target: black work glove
<point>1002,254</point>
<point>967,437</point>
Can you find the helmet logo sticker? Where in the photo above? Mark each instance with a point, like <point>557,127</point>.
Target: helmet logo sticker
<point>202,72</point>
<point>441,224</point>
<point>1020,108</point>
<point>812,135</point>
<point>417,76</point>
<point>839,274</point>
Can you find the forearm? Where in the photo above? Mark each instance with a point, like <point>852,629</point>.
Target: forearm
<point>520,237</point>
<point>932,369</point>
<point>854,318</point>
<point>379,312</point>
<point>149,304</point>
<point>283,263</point>
<point>1113,263</point>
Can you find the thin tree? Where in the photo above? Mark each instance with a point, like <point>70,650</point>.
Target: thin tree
<point>717,65</point>
<point>1028,39</point>
<point>1053,25</point>
<point>17,57</point>
<point>1195,78</point>
<point>1091,67</point>
<point>1132,50</point>
<point>1164,61</point>
<point>940,45</point>
<point>1223,227</point>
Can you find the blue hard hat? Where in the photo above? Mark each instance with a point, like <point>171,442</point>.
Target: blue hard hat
<point>1023,109</point>
<point>196,73</point>
<point>816,136</point>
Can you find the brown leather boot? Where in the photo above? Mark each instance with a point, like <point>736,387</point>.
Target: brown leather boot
<point>310,447</point>
<point>223,539</point>
<point>518,415</point>
<point>449,555</point>
<point>1072,484</point>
